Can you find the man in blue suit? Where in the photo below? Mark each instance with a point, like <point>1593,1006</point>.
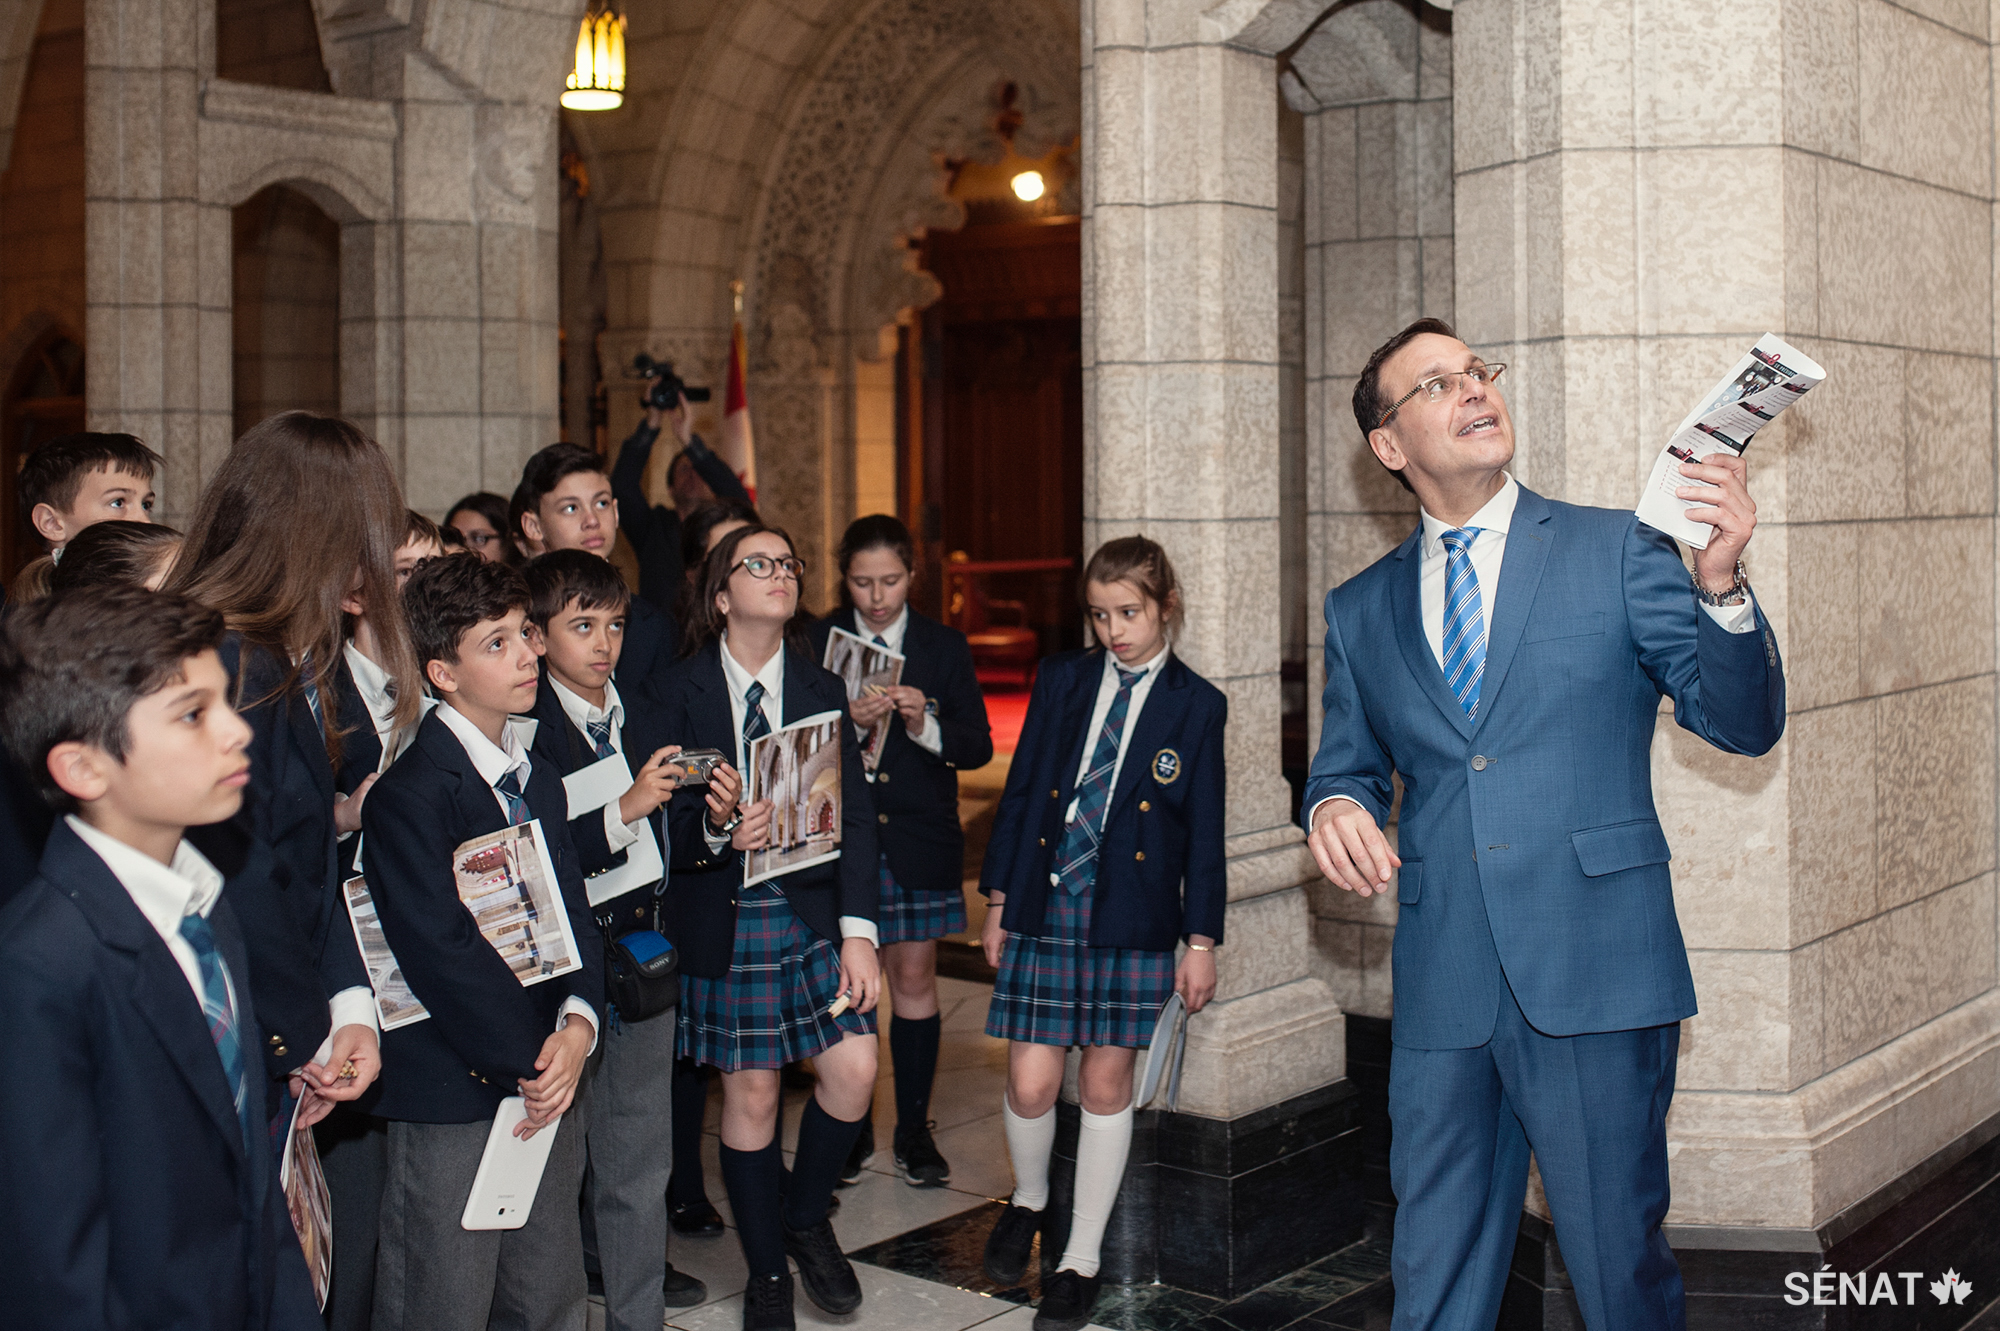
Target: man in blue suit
<point>1507,661</point>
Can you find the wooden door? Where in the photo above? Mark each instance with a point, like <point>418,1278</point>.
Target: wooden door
<point>43,399</point>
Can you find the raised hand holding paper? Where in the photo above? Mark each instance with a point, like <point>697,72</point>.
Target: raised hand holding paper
<point>1769,378</point>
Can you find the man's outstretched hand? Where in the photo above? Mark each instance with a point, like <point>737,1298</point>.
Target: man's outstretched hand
<point>1350,848</point>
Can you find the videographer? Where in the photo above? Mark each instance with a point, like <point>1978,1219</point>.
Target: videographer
<point>696,476</point>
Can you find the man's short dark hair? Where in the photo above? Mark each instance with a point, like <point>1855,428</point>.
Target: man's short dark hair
<point>546,470</point>
<point>561,576</point>
<point>53,473</point>
<point>72,667</point>
<point>1369,400</point>
<point>447,596</point>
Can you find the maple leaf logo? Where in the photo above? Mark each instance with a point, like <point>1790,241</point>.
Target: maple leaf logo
<point>1951,1289</point>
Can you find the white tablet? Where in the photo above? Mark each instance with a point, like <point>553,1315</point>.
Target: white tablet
<point>503,1191</point>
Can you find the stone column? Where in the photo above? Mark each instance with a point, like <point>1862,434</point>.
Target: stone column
<point>1641,190</point>
<point>1180,367</point>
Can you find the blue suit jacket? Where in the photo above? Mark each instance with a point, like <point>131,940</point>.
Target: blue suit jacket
<point>1160,872</point>
<point>127,1198</point>
<point>485,1030</point>
<point>1532,854</point>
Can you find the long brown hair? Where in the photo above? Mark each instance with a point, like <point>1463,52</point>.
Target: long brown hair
<point>302,502</point>
<point>705,623</point>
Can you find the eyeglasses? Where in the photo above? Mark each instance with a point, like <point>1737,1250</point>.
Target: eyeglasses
<point>1437,386</point>
<point>479,540</point>
<point>763,566</point>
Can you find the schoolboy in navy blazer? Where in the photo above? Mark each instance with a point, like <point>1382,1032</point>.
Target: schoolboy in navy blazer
<point>567,750</point>
<point>700,909</point>
<point>1152,890</point>
<point>915,791</point>
<point>485,1030</point>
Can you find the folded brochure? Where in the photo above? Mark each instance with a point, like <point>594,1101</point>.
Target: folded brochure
<point>866,668</point>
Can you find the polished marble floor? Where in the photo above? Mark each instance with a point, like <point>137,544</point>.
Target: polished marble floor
<point>917,1250</point>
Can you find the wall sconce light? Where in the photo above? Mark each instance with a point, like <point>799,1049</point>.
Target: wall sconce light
<point>1028,186</point>
<point>597,82</point>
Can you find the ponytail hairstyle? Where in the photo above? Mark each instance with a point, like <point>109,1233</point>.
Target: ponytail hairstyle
<point>302,506</point>
<point>1140,561</point>
<point>877,531</point>
<point>705,623</point>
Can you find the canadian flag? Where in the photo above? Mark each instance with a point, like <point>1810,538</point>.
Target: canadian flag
<point>738,446</point>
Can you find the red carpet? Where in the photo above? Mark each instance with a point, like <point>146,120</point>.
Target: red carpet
<point>1006,708</point>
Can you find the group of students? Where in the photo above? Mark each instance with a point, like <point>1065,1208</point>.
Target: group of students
<point>209,736</point>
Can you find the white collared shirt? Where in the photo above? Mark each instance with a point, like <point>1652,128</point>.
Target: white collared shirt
<point>618,834</point>
<point>931,737</point>
<point>772,705</point>
<point>165,894</point>
<point>493,761</point>
<point>373,684</point>
<point>1107,692</point>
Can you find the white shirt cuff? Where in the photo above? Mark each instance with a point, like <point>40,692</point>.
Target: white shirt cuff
<point>618,833</point>
<point>931,737</point>
<point>716,844</point>
<point>1734,618</point>
<point>355,1006</point>
<point>581,1009</point>
<point>854,926</point>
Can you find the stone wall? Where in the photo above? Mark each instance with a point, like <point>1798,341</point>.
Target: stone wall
<point>286,306</point>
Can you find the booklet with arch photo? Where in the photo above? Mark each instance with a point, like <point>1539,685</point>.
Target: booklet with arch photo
<point>798,770</point>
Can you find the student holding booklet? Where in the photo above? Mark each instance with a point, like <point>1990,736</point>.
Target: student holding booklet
<point>491,1034</point>
<point>784,969</point>
<point>933,724</point>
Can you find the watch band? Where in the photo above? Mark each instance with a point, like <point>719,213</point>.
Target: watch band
<point>1738,591</point>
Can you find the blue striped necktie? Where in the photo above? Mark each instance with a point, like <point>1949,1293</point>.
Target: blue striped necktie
<point>1076,856</point>
<point>509,786</point>
<point>1464,619</point>
<point>600,737</point>
<point>755,724</point>
<point>220,1014</point>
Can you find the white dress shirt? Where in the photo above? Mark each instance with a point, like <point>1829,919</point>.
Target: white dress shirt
<point>618,833</point>
<point>930,737</point>
<point>492,762</point>
<point>1488,549</point>
<point>1107,692</point>
<point>165,894</point>
<point>772,705</point>
<point>373,684</point>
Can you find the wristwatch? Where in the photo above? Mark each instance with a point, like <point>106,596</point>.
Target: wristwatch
<point>1738,590</point>
<point>735,817</point>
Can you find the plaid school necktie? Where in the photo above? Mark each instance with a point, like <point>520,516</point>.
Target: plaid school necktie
<point>755,724</point>
<point>509,786</point>
<point>1464,619</point>
<point>220,1014</point>
<point>313,704</point>
<point>881,641</point>
<point>1077,854</point>
<point>600,737</point>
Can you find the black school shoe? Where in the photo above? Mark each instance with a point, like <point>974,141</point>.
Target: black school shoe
<point>917,1158</point>
<point>682,1290</point>
<point>1007,1246</point>
<point>767,1304</point>
<point>1067,1301</point>
<point>858,1158</point>
<point>824,1269</point>
<point>695,1219</point>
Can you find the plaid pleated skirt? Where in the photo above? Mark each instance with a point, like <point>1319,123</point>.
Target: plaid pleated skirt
<point>1058,989</point>
<point>770,1009</point>
<point>917,917</point>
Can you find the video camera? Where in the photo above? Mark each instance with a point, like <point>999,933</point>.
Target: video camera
<point>664,387</point>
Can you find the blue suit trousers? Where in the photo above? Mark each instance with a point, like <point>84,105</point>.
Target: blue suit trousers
<point>1593,1109</point>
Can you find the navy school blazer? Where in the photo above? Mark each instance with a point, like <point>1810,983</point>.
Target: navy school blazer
<point>360,756</point>
<point>567,750</point>
<point>647,662</point>
<point>127,1198</point>
<point>1160,873</point>
<point>24,827</point>
<point>485,1030</point>
<point>700,902</point>
<point>916,791</point>
<point>302,949</point>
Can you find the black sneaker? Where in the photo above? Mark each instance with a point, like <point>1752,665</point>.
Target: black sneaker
<point>767,1304</point>
<point>917,1158</point>
<point>696,1219</point>
<point>858,1158</point>
<point>683,1290</point>
<point>1007,1247</point>
<point>1067,1301</point>
<point>824,1269</point>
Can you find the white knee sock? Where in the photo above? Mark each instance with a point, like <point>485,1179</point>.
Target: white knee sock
<point>1030,1142</point>
<point>1101,1149</point>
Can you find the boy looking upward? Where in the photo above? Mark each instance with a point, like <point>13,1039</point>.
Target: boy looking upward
<point>137,1183</point>
<point>75,480</point>
<point>466,775</point>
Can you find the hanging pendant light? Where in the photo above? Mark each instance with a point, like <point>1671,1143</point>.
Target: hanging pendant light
<point>597,82</point>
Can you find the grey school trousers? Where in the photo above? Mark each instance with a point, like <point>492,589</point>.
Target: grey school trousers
<point>629,1151</point>
<point>432,1275</point>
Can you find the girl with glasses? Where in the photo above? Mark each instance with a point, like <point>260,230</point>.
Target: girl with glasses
<point>785,969</point>
<point>481,521</point>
